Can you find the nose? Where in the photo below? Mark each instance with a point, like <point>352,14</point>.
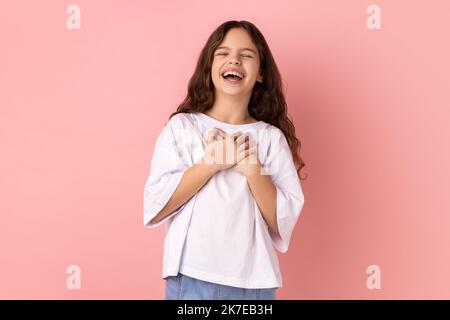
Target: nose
<point>234,61</point>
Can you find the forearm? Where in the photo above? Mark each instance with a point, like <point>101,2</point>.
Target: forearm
<point>192,181</point>
<point>265,195</point>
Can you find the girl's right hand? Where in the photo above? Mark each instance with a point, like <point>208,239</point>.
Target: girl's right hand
<point>222,149</point>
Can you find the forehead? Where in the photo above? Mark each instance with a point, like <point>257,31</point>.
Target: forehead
<point>238,38</point>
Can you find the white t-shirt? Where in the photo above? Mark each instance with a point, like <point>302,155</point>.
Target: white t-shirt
<point>220,235</point>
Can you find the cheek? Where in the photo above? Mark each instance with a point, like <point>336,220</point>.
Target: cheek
<point>253,70</point>
<point>214,70</point>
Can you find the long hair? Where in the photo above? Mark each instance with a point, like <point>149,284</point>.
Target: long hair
<point>267,102</point>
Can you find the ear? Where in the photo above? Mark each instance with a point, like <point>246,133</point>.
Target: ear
<point>259,78</point>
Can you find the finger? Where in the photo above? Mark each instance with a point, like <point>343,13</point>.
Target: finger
<point>250,138</point>
<point>215,134</point>
<point>220,133</point>
<point>208,138</point>
<point>246,142</point>
<point>220,130</point>
<point>235,135</point>
<point>248,155</point>
<point>213,137</point>
<point>252,150</point>
<point>243,151</point>
<point>251,143</point>
<point>241,139</point>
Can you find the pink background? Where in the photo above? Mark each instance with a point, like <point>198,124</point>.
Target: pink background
<point>81,109</point>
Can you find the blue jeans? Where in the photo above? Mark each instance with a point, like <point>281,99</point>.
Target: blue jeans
<point>182,287</point>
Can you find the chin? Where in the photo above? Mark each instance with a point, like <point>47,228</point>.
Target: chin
<point>233,91</point>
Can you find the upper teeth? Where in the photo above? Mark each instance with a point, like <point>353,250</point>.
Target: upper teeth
<point>240,75</point>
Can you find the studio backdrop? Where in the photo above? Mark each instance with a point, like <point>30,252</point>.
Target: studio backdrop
<point>86,87</point>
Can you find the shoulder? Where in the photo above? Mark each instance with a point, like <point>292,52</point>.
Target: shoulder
<point>178,122</point>
<point>276,139</point>
<point>181,120</point>
<point>274,133</point>
<point>180,127</point>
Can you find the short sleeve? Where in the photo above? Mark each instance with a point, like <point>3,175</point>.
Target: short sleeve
<point>290,199</point>
<point>167,168</point>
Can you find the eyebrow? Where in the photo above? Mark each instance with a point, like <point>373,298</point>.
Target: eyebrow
<point>243,49</point>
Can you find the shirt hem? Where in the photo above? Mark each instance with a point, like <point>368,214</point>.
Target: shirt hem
<point>230,281</point>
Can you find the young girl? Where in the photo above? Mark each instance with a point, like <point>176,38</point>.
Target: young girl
<point>225,174</point>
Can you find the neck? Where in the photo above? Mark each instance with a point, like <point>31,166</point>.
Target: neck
<point>231,109</point>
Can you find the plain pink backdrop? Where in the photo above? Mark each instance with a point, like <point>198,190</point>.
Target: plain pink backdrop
<point>80,111</point>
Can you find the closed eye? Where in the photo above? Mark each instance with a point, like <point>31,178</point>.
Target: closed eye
<point>224,54</point>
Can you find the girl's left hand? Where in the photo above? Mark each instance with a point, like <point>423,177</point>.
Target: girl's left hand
<point>248,163</point>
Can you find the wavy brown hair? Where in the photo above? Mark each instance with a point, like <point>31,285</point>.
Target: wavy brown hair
<point>267,102</point>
